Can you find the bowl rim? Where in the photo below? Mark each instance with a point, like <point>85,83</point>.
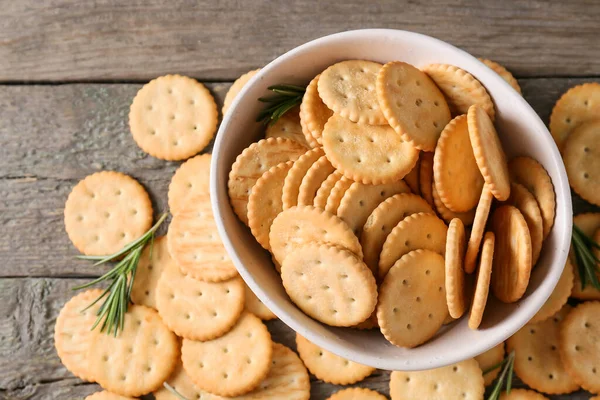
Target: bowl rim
<point>561,188</point>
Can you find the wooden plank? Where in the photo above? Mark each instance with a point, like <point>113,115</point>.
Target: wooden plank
<point>30,369</point>
<point>67,40</point>
<point>53,136</point>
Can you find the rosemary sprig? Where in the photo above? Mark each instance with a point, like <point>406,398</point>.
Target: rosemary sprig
<point>505,376</point>
<point>587,262</point>
<point>173,391</point>
<point>117,296</point>
<point>286,97</point>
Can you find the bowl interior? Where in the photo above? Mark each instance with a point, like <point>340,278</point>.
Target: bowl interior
<point>521,132</point>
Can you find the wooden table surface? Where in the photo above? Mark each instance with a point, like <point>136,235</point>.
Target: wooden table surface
<point>70,69</point>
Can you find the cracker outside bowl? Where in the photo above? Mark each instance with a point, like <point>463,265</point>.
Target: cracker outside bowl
<point>522,132</point>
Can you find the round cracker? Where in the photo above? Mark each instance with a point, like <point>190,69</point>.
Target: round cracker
<point>357,394</point>
<point>426,176</point>
<point>348,88</point>
<point>106,211</point>
<point>455,172</point>
<point>104,395</point>
<point>579,104</point>
<point>455,274</point>
<point>531,174</point>
<point>503,72</point>
<point>154,260</point>
<point>522,198</point>
<point>236,88</point>
<point>482,284</point>
<point>416,231</point>
<point>337,194</point>
<point>233,364</point>
<point>482,213</point>
<point>412,299</point>
<point>198,310</point>
<point>173,117</point>
<point>314,113</point>
<point>293,180</point>
<point>265,202</point>
<point>72,332</point>
<point>579,347</point>
<point>559,295</point>
<point>462,380</point>
<point>383,219</point>
<point>412,179</point>
<point>288,127</point>
<point>182,383</point>
<point>195,245</point>
<point>330,284</point>
<point>581,154</point>
<point>190,179</point>
<point>255,306</point>
<point>366,153</point>
<point>447,215</point>
<point>328,367</point>
<point>588,223</point>
<point>302,225</point>
<point>412,104</point>
<point>325,189</point>
<point>488,152</point>
<point>360,200</point>
<point>537,359</point>
<point>312,181</point>
<point>254,161</point>
<point>460,88</point>
<point>512,254</point>
<point>489,359</point>
<point>139,359</point>
<point>522,394</point>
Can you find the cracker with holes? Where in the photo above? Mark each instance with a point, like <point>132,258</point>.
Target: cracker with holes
<point>181,382</point>
<point>559,296</point>
<point>579,104</point>
<point>325,189</point>
<point>348,88</point>
<point>328,367</point>
<point>72,333</point>
<point>531,174</point>
<point>488,152</point>
<point>537,359</point>
<point>312,181</point>
<point>139,359</point>
<point>288,127</point>
<point>254,161</point>
<point>383,219</point>
<point>456,175</point>
<point>337,194</point>
<point>489,359</point>
<point>233,364</point>
<point>293,180</point>
<point>579,347</point>
<point>302,225</point>
<point>460,88</point>
<point>253,305</point>
<point>360,200</point>
<point>265,202</point>
<point>480,219</point>
<point>236,88</point>
<point>426,176</point>
<point>521,198</point>
<point>512,254</point>
<point>330,284</point>
<point>195,245</point>
<point>106,211</point>
<point>313,113</point>
<point>462,380</point>
<point>448,215</point>
<point>191,179</point>
<point>357,394</point>
<point>104,395</point>
<point>482,282</point>
<point>195,309</point>
<point>455,274</point>
<point>503,72</point>
<point>417,231</point>
<point>154,260</point>
<point>412,299</point>
<point>366,153</point>
<point>581,154</point>
<point>412,104</point>
<point>173,117</point>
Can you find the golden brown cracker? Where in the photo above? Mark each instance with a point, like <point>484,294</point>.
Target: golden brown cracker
<point>337,194</point>
<point>455,273</point>
<point>446,214</point>
<point>312,181</point>
<point>482,284</point>
<point>190,179</point>
<point>581,154</point>
<point>325,190</point>
<point>522,394</point>
<point>521,198</point>
<point>293,179</point>
<point>313,113</point>
<point>426,176</point>
<point>482,213</point>
<point>357,394</point>
<point>412,179</point>
<point>559,295</point>
<point>255,306</point>
<point>288,127</point>
<point>154,260</point>
<point>490,359</point>
<point>503,72</point>
<point>236,88</point>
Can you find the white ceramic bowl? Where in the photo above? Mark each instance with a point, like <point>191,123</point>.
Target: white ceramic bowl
<point>522,133</point>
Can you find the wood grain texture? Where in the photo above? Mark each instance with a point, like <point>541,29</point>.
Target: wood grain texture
<point>67,40</point>
<point>30,368</point>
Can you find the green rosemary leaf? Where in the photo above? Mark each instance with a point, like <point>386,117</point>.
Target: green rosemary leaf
<point>286,97</point>
<point>505,378</point>
<point>287,87</point>
<point>494,367</point>
<point>587,262</point>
